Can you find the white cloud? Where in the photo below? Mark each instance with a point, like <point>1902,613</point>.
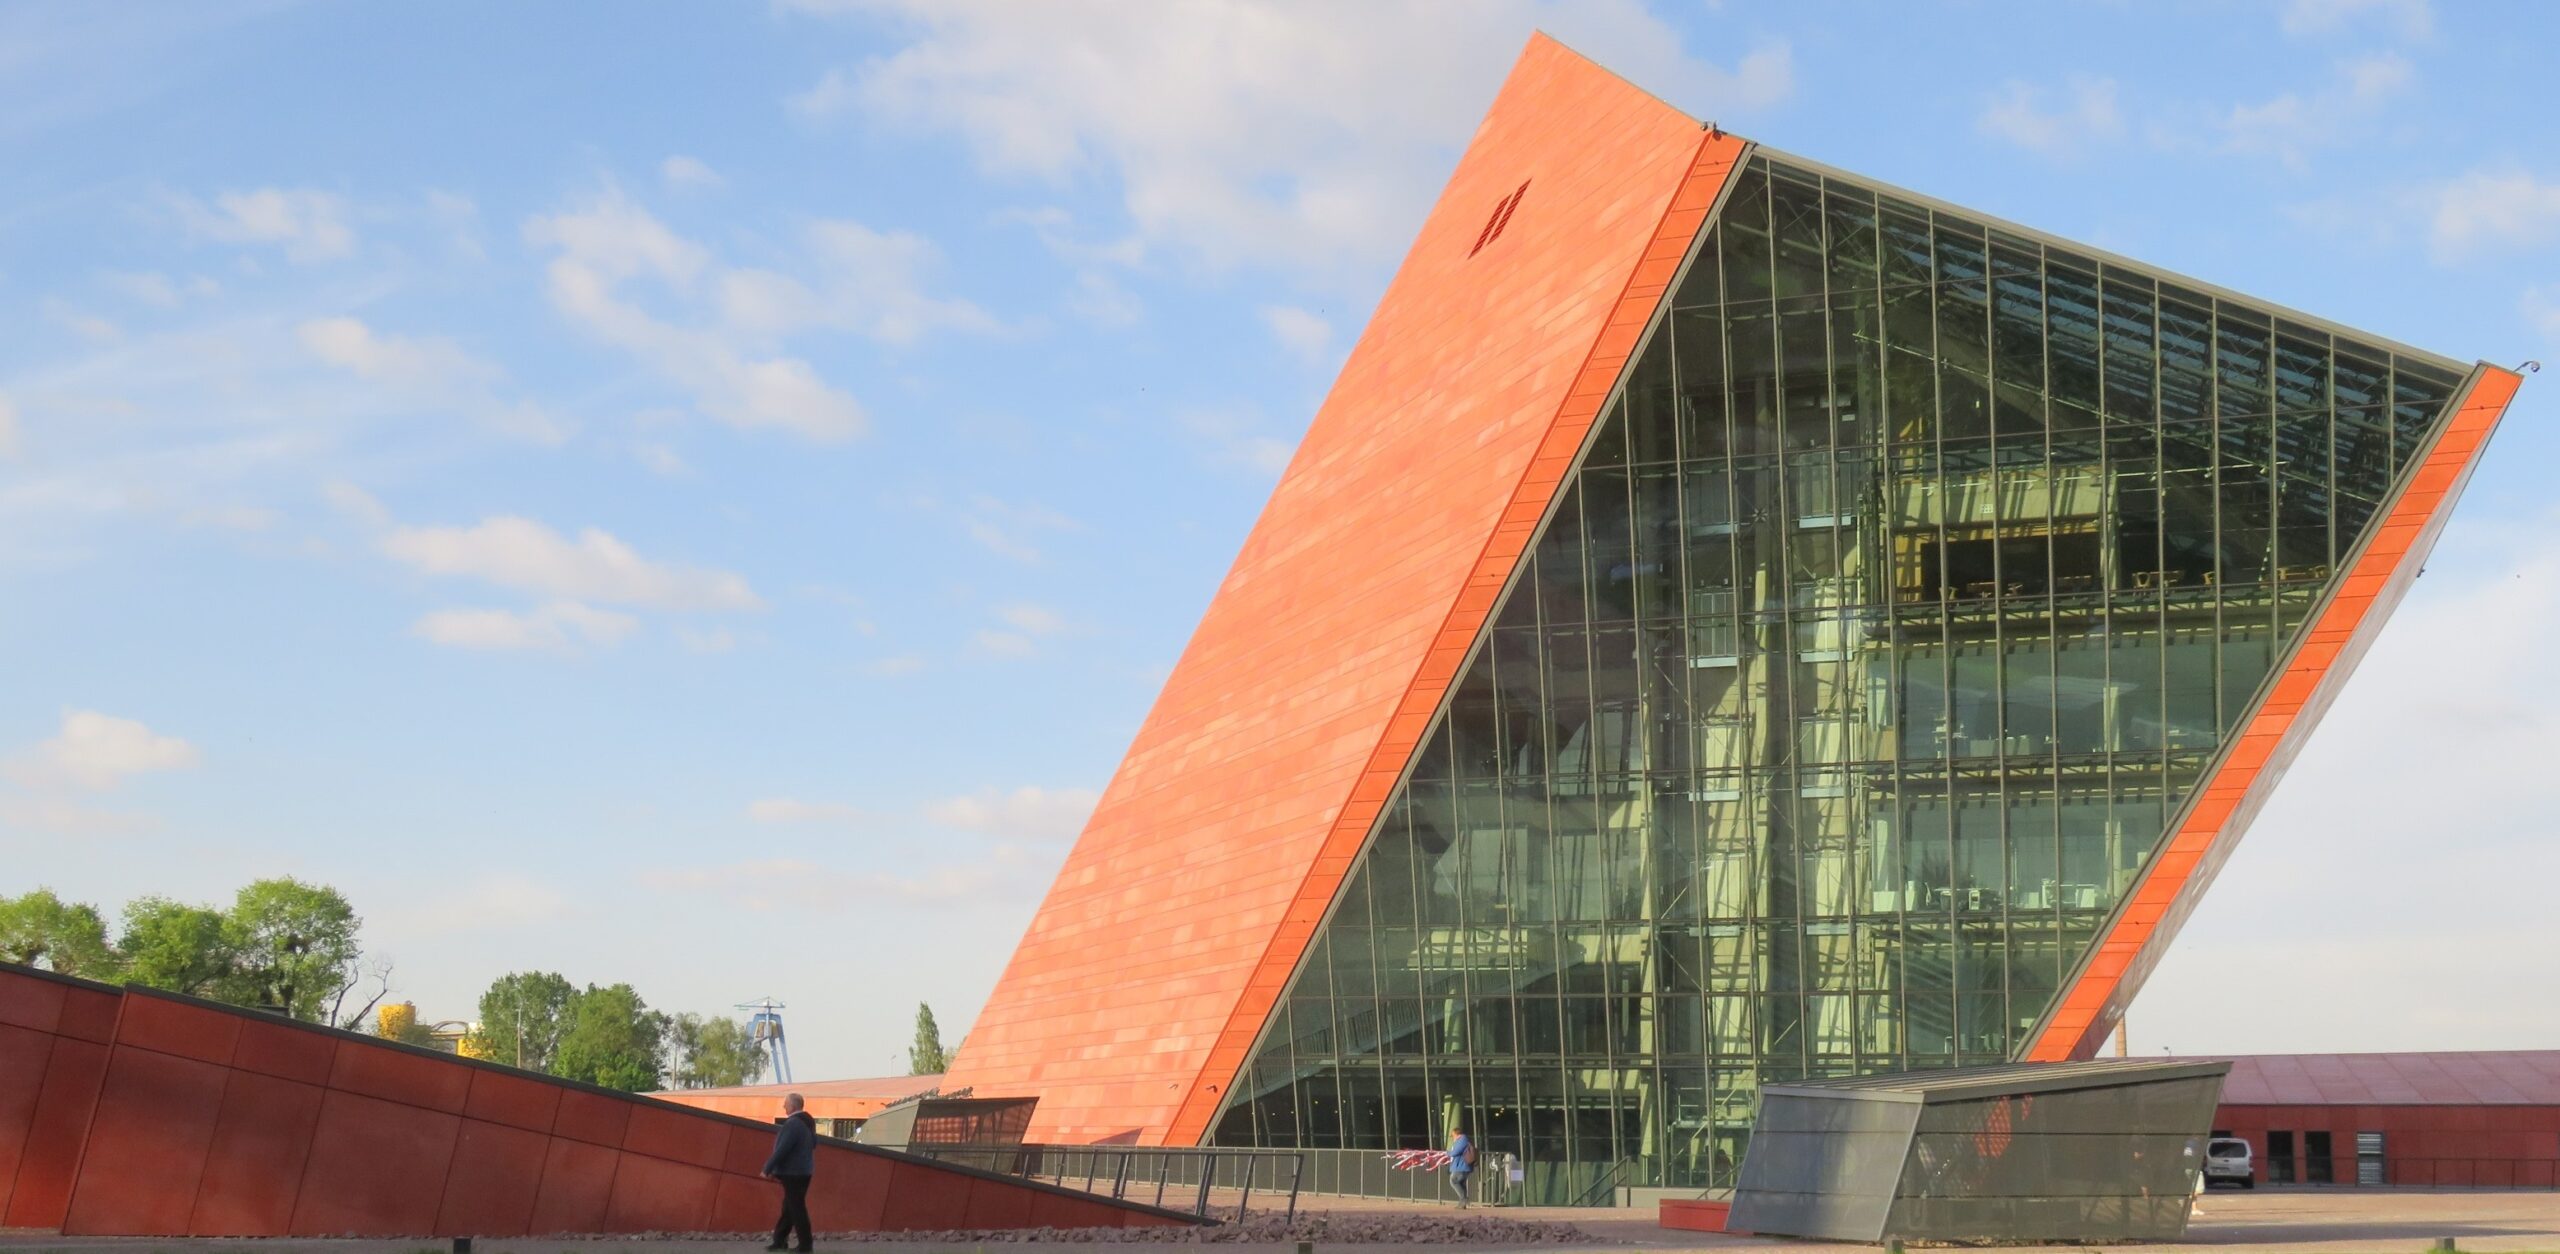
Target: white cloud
<point>1103,301</point>
<point>1009,529</point>
<point>661,459</point>
<point>151,289</point>
<point>1002,643</point>
<point>558,627</point>
<point>1099,298</point>
<point>424,361</point>
<point>706,640</point>
<point>1230,440</point>
<point>528,421</point>
<point>2505,207</point>
<point>8,429</point>
<point>493,901</point>
<point>871,283</point>
<point>892,667</point>
<point>1285,132</point>
<point>82,323</point>
<point>230,518</point>
<point>1023,624</point>
<point>1037,620</point>
<point>785,810</point>
<point>1029,814</point>
<point>2086,115</point>
<point>2541,307</point>
<point>525,555</point>
<point>95,752</point>
<point>611,241</point>
<point>355,503</point>
<point>2413,19</point>
<point>429,370</point>
<point>2293,125</point>
<point>689,172</point>
<point>458,216</point>
<point>60,816</point>
<point>618,240</point>
<point>997,541</point>
<point>1304,333</point>
<point>308,225</point>
<point>773,884</point>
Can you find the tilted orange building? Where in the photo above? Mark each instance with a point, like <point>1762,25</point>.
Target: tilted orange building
<point>1730,621</point>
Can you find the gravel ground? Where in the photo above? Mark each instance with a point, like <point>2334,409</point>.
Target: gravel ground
<point>2301,1221</point>
<point>1328,1228</point>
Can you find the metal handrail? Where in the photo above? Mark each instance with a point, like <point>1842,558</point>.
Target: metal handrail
<point>1608,1180</point>
<point>1119,1171</point>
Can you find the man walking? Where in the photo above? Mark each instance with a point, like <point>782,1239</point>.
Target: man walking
<point>793,1161</point>
<point>1462,1162</point>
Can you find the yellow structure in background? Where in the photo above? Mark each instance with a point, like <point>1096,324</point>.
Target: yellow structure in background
<point>393,1021</point>
<point>398,1021</point>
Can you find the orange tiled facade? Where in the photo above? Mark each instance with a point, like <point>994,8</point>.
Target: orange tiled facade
<point>1251,782</point>
<point>1731,621</point>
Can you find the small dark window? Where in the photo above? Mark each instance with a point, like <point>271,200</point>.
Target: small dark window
<point>2318,1167</point>
<point>1500,219</point>
<point>2279,1157</point>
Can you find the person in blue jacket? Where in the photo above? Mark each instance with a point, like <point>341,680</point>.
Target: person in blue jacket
<point>1462,1162</point>
<point>793,1160</point>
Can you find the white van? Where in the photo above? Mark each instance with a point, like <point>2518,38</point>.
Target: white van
<point>2226,1161</point>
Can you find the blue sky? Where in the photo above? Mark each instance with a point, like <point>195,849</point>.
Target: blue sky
<point>703,496</point>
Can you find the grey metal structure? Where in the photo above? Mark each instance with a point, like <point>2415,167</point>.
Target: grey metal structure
<point>933,1119</point>
<point>2106,1150</point>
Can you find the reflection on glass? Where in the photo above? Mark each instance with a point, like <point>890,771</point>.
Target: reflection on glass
<point>1915,576</point>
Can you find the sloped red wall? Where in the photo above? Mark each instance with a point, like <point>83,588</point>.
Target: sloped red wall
<point>134,1113</point>
<point>54,1039</point>
<point>1228,828</point>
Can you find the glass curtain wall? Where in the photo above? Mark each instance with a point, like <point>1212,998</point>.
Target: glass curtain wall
<point>1913,577</point>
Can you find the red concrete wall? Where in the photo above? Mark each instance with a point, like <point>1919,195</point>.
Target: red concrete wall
<point>54,1040</point>
<point>2245,775</point>
<point>152,1115</point>
<point>2485,1146</point>
<point>1197,884</point>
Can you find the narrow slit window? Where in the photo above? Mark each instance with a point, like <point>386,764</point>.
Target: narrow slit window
<point>1500,219</point>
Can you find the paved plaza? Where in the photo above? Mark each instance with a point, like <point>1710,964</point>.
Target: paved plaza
<point>2291,1222</point>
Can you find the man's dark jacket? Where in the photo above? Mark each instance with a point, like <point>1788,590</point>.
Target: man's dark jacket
<point>795,1147</point>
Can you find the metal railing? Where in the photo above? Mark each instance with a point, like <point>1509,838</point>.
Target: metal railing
<point>1211,1181</point>
<point>1606,1185</point>
<point>1169,1177</point>
<point>1405,1175</point>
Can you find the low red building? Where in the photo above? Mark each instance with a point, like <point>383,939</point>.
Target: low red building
<point>2487,1120</point>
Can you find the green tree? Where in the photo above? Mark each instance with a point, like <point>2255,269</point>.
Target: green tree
<point>172,945</point>
<point>522,1016</point>
<point>613,1039</point>
<point>39,929</point>
<point>926,1056</point>
<point>711,1052</point>
<point>296,947</point>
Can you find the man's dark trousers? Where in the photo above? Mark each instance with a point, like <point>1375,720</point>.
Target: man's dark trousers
<point>795,1211</point>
